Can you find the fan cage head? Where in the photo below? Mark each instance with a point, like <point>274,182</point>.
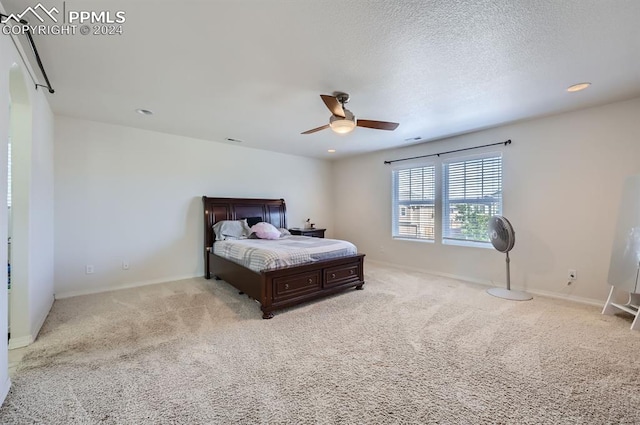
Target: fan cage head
<point>501,233</point>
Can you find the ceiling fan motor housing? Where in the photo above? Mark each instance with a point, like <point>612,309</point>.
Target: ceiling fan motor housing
<point>347,116</point>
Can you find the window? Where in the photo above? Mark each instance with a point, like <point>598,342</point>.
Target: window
<point>461,194</point>
<point>472,193</point>
<point>414,203</point>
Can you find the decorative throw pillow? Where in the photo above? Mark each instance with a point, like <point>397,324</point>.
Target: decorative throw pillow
<point>266,231</point>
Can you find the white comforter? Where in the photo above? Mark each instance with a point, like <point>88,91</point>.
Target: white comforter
<point>264,254</point>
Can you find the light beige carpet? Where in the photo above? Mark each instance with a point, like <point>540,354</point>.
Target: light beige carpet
<point>410,348</point>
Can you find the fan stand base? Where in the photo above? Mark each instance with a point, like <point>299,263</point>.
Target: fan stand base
<point>508,294</point>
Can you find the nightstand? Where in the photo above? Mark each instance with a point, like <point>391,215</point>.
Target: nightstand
<point>314,233</point>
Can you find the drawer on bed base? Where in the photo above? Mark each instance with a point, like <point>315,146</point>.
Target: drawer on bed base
<point>340,275</point>
<point>296,285</point>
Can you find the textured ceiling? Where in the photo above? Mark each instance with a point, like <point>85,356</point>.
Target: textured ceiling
<point>253,70</point>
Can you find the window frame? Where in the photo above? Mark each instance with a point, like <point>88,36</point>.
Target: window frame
<point>445,202</point>
<point>395,206</point>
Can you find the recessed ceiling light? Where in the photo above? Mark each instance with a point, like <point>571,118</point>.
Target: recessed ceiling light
<point>578,87</point>
<point>144,111</point>
<point>331,150</point>
<point>229,139</point>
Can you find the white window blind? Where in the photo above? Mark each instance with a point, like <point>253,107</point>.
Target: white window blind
<point>472,194</point>
<point>414,203</point>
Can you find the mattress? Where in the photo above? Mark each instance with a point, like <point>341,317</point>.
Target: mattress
<point>264,254</point>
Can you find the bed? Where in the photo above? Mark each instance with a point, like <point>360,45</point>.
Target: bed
<point>279,287</point>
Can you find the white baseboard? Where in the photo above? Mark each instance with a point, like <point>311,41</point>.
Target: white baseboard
<point>435,273</point>
<point>5,390</point>
<point>581,300</point>
<point>483,282</point>
<point>89,291</point>
<point>23,341</point>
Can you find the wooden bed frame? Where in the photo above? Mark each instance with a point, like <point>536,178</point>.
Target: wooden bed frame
<point>281,287</point>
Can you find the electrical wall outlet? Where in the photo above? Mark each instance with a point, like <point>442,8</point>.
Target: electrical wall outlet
<point>572,274</point>
<point>89,269</point>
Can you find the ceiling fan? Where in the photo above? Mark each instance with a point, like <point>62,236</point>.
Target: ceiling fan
<point>343,121</point>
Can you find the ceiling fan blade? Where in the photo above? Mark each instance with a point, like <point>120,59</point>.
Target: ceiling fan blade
<point>332,103</point>
<point>378,125</point>
<point>313,130</point>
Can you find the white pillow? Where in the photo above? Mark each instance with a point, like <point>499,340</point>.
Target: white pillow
<point>266,231</point>
<point>231,229</point>
<point>284,232</point>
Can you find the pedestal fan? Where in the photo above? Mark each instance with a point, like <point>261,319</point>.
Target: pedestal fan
<point>503,238</point>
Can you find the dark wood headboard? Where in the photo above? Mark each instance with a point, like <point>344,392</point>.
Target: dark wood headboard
<point>272,211</point>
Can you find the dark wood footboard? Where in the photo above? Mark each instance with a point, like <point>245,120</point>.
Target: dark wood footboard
<point>289,286</point>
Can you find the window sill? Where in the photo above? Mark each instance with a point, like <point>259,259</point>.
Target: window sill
<point>472,244</point>
<point>400,238</point>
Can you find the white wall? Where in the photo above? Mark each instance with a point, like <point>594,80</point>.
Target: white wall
<point>135,195</point>
<point>38,195</point>
<point>563,179</point>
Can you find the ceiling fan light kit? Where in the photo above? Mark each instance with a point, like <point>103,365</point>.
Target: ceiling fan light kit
<point>342,121</point>
<point>343,125</point>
